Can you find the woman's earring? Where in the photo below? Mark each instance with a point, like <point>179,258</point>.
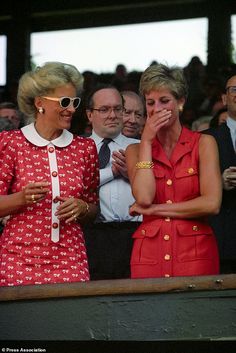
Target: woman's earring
<point>180,108</point>
<point>41,110</point>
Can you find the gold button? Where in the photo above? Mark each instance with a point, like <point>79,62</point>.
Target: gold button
<point>190,170</point>
<point>167,257</point>
<point>167,219</point>
<point>169,201</point>
<point>169,182</point>
<point>143,231</point>
<point>195,228</point>
<point>166,237</point>
<point>166,275</point>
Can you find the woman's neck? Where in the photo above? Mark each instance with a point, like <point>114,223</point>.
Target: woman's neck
<point>169,137</point>
<point>46,132</point>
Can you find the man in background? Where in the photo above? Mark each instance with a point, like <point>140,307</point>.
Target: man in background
<point>133,115</point>
<point>224,224</point>
<point>109,239</point>
<point>10,111</point>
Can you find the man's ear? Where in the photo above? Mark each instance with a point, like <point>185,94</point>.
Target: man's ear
<point>89,115</point>
<point>223,97</point>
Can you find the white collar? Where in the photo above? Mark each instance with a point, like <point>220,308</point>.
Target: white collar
<point>98,140</point>
<point>32,136</point>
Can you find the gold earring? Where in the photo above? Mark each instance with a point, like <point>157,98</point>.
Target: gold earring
<point>180,108</point>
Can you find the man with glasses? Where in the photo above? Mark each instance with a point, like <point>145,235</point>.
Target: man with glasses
<point>133,115</point>
<point>224,223</point>
<point>109,239</point>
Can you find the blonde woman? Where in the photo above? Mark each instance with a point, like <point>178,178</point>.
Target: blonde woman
<point>48,183</point>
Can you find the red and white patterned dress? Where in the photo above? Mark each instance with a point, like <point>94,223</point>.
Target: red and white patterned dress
<point>35,247</point>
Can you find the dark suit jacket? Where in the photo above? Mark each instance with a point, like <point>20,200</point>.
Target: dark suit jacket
<point>224,224</point>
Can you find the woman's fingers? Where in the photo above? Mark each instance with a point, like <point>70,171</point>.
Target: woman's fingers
<point>69,209</point>
<point>34,192</point>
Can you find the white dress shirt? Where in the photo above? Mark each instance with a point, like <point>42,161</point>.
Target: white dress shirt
<point>115,192</point>
<point>231,123</point>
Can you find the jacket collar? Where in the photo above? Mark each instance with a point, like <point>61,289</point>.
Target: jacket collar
<point>183,146</point>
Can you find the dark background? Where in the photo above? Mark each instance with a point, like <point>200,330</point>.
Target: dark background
<point>18,19</point>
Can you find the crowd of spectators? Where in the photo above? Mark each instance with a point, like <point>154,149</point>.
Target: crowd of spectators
<point>203,100</point>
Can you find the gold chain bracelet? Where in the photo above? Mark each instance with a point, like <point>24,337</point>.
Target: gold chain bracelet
<point>144,165</point>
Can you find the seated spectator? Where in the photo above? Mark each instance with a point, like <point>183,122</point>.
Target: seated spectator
<point>213,91</point>
<point>11,112</point>
<point>6,124</point>
<point>195,73</point>
<point>201,123</point>
<point>188,116</point>
<point>224,224</point>
<point>217,106</point>
<point>133,114</point>
<point>80,124</point>
<point>119,79</point>
<point>219,117</point>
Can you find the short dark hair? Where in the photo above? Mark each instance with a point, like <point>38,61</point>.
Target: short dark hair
<point>215,119</point>
<point>89,98</point>
<point>8,105</point>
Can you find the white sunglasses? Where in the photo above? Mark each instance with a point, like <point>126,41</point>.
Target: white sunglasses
<point>65,102</point>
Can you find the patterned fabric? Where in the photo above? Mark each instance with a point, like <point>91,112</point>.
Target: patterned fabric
<point>165,247</point>
<point>35,247</point>
<point>104,153</point>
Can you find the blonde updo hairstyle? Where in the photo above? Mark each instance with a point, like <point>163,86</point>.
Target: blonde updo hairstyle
<point>160,76</point>
<point>43,81</point>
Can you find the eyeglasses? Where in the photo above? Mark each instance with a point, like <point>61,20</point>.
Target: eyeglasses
<point>231,90</point>
<point>65,102</point>
<point>107,110</point>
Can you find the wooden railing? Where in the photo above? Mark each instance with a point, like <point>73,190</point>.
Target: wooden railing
<point>119,287</point>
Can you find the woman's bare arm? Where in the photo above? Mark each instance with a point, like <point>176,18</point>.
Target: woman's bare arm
<point>142,180</point>
<point>209,201</point>
<point>30,194</point>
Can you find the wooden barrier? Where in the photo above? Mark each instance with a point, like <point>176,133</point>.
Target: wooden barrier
<point>152,310</point>
<point>117,287</point>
